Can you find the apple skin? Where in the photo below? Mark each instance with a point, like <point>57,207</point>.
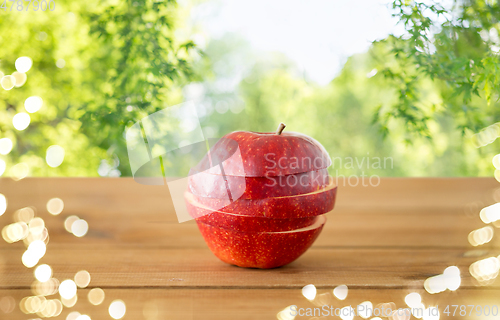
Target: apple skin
<point>263,250</point>
<point>264,154</point>
<point>214,186</point>
<point>298,206</point>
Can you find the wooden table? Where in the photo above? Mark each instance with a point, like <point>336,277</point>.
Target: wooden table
<point>382,242</point>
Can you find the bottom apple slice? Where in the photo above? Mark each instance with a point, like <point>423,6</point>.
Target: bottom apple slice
<point>264,250</point>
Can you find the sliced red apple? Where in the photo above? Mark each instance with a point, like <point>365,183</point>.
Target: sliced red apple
<point>298,206</point>
<point>263,250</point>
<point>208,185</point>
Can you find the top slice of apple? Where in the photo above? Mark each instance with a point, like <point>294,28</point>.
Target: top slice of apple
<point>254,154</point>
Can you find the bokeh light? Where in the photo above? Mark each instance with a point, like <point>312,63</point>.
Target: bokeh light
<point>413,300</point>
<point>5,146</point>
<point>340,292</point>
<point>73,315</point>
<point>55,206</point>
<point>33,104</point>
<point>285,314</point>
<point>23,64</point>
<point>481,236</point>
<point>20,171</point>
<point>54,156</point>
<point>46,288</point>
<point>69,222</point>
<point>8,82</point>
<point>43,273</point>
<point>309,292</point>
<point>82,278</point>
<point>96,296</point>
<point>3,204</point>
<point>117,309</point>
<point>485,270</point>
<point>69,303</point>
<point>21,121</point>
<point>60,63</point>
<point>491,213</point>
<point>80,228</point>
<point>20,78</point>
<point>24,215</point>
<point>15,232</point>
<point>7,304</point>
<point>365,309</point>
<point>347,313</point>
<point>83,317</point>
<point>67,289</point>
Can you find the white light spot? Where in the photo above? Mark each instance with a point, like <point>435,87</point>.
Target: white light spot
<point>29,259</point>
<point>54,156</point>
<point>309,292</point>
<point>413,300</point>
<point>60,63</point>
<point>23,64</point>
<point>43,273</point>
<point>37,248</point>
<point>82,278</point>
<point>347,313</point>
<point>67,289</point>
<point>69,222</point>
<point>5,146</point>
<point>79,228</point>
<point>8,82</point>
<point>20,171</point>
<point>340,292</point>
<point>117,309</point>
<point>33,104</point>
<point>21,121</point>
<point>55,206</point>
<point>96,296</point>
<point>83,317</point>
<point>222,107</point>
<point>371,73</point>
<point>365,309</point>
<point>73,315</point>
<point>20,78</point>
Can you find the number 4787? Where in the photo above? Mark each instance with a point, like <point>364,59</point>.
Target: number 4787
<point>20,5</point>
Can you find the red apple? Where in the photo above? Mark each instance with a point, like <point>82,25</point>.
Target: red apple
<point>256,200</point>
<point>263,250</point>
<point>204,184</point>
<point>298,206</point>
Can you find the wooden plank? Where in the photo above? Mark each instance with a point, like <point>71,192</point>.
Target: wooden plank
<point>419,212</point>
<point>129,266</point>
<point>207,304</point>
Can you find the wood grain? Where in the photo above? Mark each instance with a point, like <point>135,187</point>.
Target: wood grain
<point>383,242</point>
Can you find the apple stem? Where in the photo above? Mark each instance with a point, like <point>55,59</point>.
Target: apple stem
<point>280,129</point>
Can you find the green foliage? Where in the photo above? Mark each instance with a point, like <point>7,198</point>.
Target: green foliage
<point>458,49</point>
<point>122,62</point>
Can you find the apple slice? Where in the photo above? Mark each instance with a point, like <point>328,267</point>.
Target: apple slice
<point>208,185</point>
<point>245,223</point>
<point>262,250</point>
<point>298,206</point>
<point>264,154</point>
